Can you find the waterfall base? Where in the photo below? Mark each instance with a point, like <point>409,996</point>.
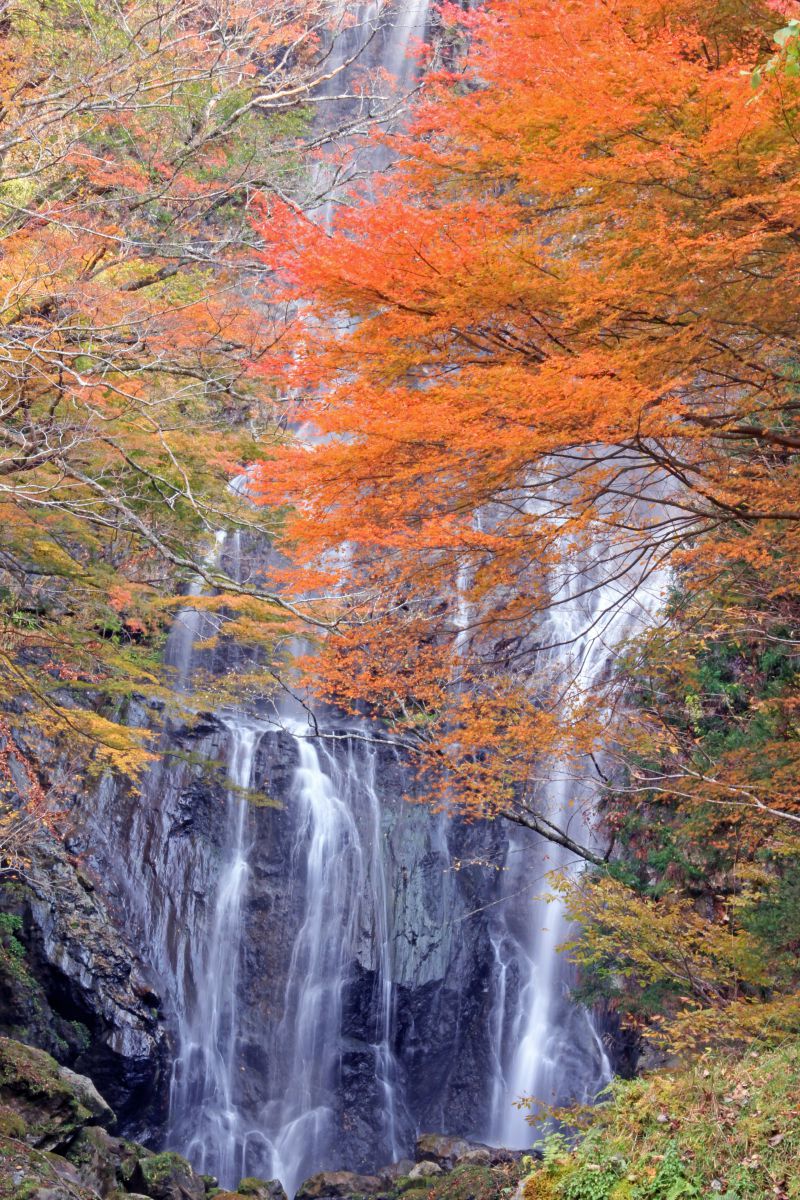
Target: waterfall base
<point>46,1107</point>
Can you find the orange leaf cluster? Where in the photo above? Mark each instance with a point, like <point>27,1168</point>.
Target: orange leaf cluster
<point>562,330</point>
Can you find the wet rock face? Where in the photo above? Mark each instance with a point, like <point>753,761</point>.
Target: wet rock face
<point>71,985</point>
<point>623,1044</point>
<point>157,859</point>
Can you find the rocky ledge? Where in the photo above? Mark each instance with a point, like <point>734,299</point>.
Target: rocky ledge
<point>71,985</point>
<point>444,1168</point>
<point>57,1142</point>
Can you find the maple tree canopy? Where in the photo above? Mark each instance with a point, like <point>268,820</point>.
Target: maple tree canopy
<point>133,137</point>
<point>572,300</point>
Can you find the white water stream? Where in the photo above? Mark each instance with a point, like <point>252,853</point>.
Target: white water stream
<point>338,862</point>
<point>543,1047</point>
<point>202,1099</point>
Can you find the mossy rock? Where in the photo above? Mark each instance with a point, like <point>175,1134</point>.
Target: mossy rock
<point>339,1185</point>
<point>27,1173</point>
<point>262,1189</point>
<point>99,1159</point>
<point>167,1176</point>
<point>32,1086</point>
<point>467,1183</point>
<point>129,1156</point>
<point>417,1192</point>
<point>11,1123</point>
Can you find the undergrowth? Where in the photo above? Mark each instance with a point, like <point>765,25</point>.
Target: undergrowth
<point>722,1130</point>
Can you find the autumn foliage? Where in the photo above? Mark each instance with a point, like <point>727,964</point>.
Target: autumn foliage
<point>133,137</point>
<point>551,365</point>
<point>524,416</point>
<point>574,304</point>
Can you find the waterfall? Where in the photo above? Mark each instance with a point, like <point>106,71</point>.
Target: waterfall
<point>377,37</point>
<point>408,27</point>
<point>543,1047</point>
<point>337,869</point>
<point>338,860</point>
<point>328,853</point>
<point>205,1121</point>
<point>190,624</point>
<point>340,969</point>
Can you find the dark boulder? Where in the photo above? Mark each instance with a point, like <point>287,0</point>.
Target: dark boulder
<point>167,1176</point>
<point>39,1105</point>
<point>339,1185</point>
<point>262,1189</point>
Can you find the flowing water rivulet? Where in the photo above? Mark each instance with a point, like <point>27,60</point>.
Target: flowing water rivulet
<point>334,984</point>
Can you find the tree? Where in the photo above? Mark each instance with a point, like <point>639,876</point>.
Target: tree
<point>133,138</point>
<point>554,356</point>
<point>553,368</point>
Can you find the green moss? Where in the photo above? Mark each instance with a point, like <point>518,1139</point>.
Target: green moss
<point>30,1083</point>
<point>130,1155</point>
<point>82,1038</point>
<point>160,1166</point>
<point>157,1171</point>
<point>12,951</point>
<point>11,1123</point>
<point>467,1183</point>
<point>24,1171</point>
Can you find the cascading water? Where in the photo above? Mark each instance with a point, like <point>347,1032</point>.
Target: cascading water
<point>377,38</point>
<point>338,862</point>
<point>544,1048</point>
<point>202,1102</point>
<point>334,982</point>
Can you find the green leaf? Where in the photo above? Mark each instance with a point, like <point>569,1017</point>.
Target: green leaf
<point>681,1189</point>
<point>783,35</point>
